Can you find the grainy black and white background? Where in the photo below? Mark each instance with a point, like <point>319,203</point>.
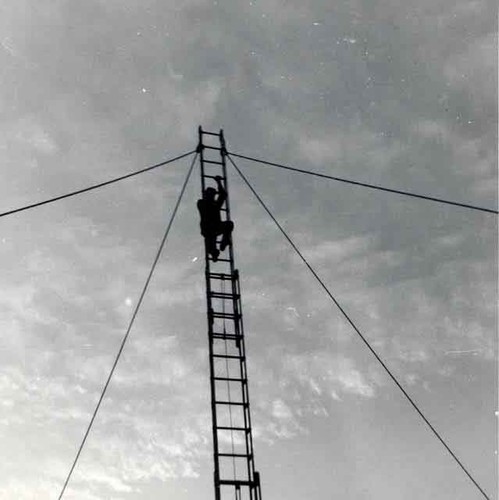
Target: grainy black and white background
<point>402,94</point>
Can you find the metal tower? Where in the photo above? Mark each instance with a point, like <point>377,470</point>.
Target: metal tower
<point>234,475</point>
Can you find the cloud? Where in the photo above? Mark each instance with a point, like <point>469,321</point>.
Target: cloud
<point>350,145</point>
<point>328,374</point>
<point>27,134</point>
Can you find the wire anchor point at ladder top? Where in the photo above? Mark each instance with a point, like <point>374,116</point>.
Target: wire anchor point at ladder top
<point>234,463</point>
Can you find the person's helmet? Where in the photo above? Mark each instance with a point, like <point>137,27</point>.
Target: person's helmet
<point>209,193</point>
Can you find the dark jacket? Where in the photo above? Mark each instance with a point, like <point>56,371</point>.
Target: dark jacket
<point>209,210</point>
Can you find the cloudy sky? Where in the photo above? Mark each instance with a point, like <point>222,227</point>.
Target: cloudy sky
<point>402,94</point>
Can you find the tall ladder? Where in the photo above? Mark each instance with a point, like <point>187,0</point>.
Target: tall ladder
<point>234,475</point>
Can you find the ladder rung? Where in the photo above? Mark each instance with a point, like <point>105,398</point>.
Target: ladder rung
<point>210,133</point>
<point>206,176</point>
<point>212,147</point>
<point>221,276</point>
<point>224,295</point>
<point>228,356</point>
<point>219,315</point>
<point>230,403</point>
<point>222,336</point>
<point>240,455</point>
<point>231,379</point>
<point>236,482</point>
<point>218,260</point>
<point>213,162</point>
<point>242,429</point>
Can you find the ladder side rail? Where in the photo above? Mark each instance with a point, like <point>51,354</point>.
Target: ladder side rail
<point>214,414</point>
<point>227,217</point>
<point>201,157</point>
<point>223,154</point>
<point>237,323</point>
<point>216,471</point>
<point>244,388</point>
<point>244,374</point>
<point>258,491</point>
<point>240,331</point>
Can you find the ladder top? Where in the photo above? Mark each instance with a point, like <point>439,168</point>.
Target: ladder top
<point>205,132</point>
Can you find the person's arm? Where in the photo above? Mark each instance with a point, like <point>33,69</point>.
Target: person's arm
<point>222,194</point>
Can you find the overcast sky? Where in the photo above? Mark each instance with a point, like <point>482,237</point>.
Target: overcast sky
<point>402,94</point>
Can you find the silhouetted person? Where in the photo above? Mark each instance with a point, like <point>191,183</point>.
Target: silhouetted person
<point>211,223</point>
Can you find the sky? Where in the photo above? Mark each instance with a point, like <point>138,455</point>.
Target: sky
<point>400,94</point>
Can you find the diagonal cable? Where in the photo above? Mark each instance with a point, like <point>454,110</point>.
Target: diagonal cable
<point>134,315</point>
<point>363,338</point>
<point>94,186</point>
<point>371,186</point>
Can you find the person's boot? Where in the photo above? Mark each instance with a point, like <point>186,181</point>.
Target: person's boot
<point>224,243</point>
<point>214,255</point>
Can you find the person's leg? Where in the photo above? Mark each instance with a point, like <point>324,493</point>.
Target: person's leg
<point>211,245</point>
<point>227,228</point>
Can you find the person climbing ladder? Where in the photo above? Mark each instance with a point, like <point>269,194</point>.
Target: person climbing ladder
<point>212,224</point>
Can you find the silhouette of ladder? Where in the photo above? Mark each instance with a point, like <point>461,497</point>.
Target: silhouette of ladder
<point>234,474</point>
